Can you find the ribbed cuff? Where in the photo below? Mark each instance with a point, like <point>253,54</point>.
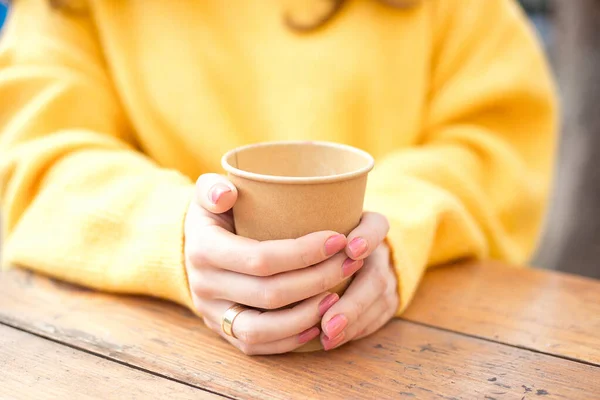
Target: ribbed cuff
<point>164,273</point>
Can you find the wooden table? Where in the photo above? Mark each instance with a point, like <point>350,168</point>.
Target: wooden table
<point>474,331</point>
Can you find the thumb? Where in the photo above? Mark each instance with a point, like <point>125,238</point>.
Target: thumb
<point>215,193</point>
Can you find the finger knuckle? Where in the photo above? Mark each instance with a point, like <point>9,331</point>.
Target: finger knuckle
<point>358,308</point>
<point>197,255</point>
<point>273,300</point>
<point>324,282</point>
<point>271,297</point>
<point>257,265</point>
<point>324,285</point>
<point>204,290</point>
<point>247,349</point>
<point>306,260</point>
<point>377,223</point>
<point>247,335</point>
<point>200,286</point>
<point>373,235</point>
<point>332,274</point>
<point>379,280</point>
<point>307,256</point>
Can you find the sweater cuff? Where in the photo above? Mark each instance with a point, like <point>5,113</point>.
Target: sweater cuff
<point>408,275</point>
<point>165,274</point>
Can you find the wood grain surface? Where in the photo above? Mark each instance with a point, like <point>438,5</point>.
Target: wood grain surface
<point>403,360</point>
<point>547,311</point>
<point>33,367</point>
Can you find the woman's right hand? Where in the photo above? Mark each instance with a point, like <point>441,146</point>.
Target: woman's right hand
<point>224,269</point>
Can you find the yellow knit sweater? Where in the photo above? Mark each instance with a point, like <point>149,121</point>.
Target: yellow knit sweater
<point>109,112</point>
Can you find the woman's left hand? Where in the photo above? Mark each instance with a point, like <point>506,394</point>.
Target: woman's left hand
<point>372,298</point>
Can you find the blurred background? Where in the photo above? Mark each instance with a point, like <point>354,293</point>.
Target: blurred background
<point>3,10</point>
<point>570,32</point>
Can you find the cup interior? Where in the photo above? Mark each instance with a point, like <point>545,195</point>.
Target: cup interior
<point>297,161</point>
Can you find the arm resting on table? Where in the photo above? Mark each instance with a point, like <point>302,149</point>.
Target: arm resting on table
<point>79,202</point>
<point>477,185</point>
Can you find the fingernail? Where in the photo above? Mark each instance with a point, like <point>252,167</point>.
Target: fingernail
<point>358,246</point>
<point>329,344</point>
<point>336,325</point>
<point>308,335</point>
<point>217,191</point>
<point>327,303</point>
<point>350,266</point>
<point>335,244</point>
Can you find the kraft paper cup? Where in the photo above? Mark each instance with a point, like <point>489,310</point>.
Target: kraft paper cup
<point>289,189</point>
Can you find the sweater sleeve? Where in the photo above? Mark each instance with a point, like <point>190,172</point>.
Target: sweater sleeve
<point>476,185</point>
<point>79,203</point>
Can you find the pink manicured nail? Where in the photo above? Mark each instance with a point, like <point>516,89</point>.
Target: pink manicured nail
<point>329,344</point>
<point>327,303</point>
<point>358,246</point>
<point>336,325</point>
<point>334,244</point>
<point>217,191</point>
<point>350,266</point>
<point>308,335</point>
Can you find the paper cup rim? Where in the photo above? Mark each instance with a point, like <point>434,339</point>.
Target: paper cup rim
<point>370,163</point>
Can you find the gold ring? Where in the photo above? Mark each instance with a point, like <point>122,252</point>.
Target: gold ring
<point>229,316</point>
